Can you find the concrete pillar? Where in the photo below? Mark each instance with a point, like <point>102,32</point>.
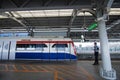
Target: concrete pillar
<point>106,70</point>
<point>106,61</point>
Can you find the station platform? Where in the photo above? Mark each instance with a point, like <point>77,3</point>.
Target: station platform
<point>39,70</point>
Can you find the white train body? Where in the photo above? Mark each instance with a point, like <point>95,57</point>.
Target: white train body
<point>87,47</point>
<point>37,49</point>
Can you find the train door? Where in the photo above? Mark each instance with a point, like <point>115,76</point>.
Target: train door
<point>5,50</point>
<point>12,50</point>
<point>53,52</point>
<point>68,51</point>
<point>1,49</point>
<point>45,51</point>
<point>60,49</point>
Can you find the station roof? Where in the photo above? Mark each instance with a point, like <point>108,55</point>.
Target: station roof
<point>57,14</point>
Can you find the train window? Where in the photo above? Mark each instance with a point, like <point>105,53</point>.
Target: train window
<point>29,46</point>
<point>60,46</point>
<point>41,45</point>
<point>22,46</point>
<point>32,45</point>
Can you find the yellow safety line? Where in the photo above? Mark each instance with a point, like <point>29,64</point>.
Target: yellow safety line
<point>6,66</point>
<point>85,72</point>
<point>25,69</point>
<point>22,71</point>
<point>55,75</point>
<point>15,68</point>
<point>42,68</point>
<point>34,68</point>
<point>62,73</point>
<point>70,73</point>
<point>72,70</point>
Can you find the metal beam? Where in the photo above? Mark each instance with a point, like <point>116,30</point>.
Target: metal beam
<point>88,10</point>
<point>104,8</point>
<point>71,2</point>
<point>53,29</point>
<point>19,21</point>
<point>28,28</point>
<point>25,3</point>
<point>108,3</point>
<point>47,2</point>
<point>10,15</point>
<point>14,12</point>
<point>13,3</point>
<point>74,14</point>
<point>46,8</point>
<point>113,24</point>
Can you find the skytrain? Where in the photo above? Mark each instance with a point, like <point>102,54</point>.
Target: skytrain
<point>85,50</point>
<point>88,47</point>
<point>48,49</point>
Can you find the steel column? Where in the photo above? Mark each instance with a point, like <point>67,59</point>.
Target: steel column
<point>106,61</point>
<point>106,70</point>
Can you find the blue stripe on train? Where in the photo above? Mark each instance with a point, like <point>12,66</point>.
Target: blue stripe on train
<point>32,55</point>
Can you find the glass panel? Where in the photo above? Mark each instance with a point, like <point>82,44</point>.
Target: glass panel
<point>60,45</point>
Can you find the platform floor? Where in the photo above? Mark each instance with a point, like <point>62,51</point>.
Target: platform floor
<point>37,70</point>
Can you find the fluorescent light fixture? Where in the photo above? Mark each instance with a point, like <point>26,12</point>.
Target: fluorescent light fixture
<point>43,13</point>
<point>114,11</point>
<point>86,14</point>
<point>2,17</point>
<point>54,13</point>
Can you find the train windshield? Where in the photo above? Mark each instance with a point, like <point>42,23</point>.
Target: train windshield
<point>60,46</point>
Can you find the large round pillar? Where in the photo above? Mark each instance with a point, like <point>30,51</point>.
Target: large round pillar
<point>106,70</point>
<point>105,54</point>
